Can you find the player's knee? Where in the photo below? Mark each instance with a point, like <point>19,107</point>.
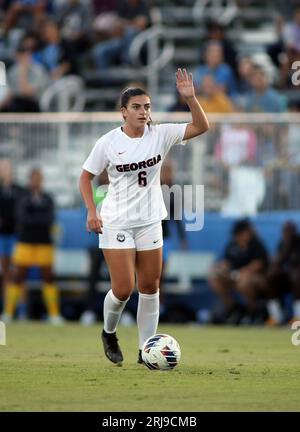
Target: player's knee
<point>122,292</point>
<point>149,287</point>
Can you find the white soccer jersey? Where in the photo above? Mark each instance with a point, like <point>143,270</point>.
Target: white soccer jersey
<point>133,165</point>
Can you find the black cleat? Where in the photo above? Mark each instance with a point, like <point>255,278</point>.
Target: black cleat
<point>140,359</point>
<point>111,347</point>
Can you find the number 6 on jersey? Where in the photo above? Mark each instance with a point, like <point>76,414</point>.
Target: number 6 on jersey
<point>142,178</point>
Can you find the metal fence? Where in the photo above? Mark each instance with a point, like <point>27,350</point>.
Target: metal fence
<point>247,162</point>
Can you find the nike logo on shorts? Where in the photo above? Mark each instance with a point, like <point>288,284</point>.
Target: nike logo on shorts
<point>155,241</point>
<point>121,152</point>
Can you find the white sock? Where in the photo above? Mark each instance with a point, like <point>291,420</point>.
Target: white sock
<point>112,311</point>
<point>296,308</point>
<point>274,310</point>
<point>147,316</point>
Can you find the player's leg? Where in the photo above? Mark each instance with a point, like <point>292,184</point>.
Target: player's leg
<point>14,292</point>
<point>44,258</point>
<point>6,250</point>
<point>121,266</point>
<point>252,286</point>
<point>277,284</point>
<point>51,295</point>
<point>224,286</point>
<point>149,268</point>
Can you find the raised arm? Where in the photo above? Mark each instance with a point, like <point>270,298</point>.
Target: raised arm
<point>93,221</point>
<point>185,87</point>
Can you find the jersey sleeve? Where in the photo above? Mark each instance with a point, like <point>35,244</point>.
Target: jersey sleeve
<point>97,160</point>
<point>173,134</point>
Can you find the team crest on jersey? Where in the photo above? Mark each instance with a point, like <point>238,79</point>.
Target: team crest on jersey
<point>120,237</point>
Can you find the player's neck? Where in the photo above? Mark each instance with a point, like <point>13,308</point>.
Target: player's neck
<point>133,132</point>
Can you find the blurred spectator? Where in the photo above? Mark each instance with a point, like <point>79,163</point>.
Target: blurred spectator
<point>24,14</point>
<point>216,31</point>
<point>286,49</point>
<point>97,261</point>
<point>284,275</point>
<point>31,42</point>
<point>291,33</point>
<point>245,69</point>
<point>74,20</point>
<point>286,8</point>
<point>212,97</point>
<point>26,80</point>
<point>10,194</point>
<point>262,97</point>
<point>57,56</point>
<point>214,65</point>
<point>133,17</point>
<point>291,43</point>
<point>239,278</point>
<point>35,216</point>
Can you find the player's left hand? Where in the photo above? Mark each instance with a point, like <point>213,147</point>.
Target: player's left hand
<point>184,84</point>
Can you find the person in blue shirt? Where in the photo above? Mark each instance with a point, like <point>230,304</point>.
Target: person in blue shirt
<point>262,97</point>
<point>214,65</point>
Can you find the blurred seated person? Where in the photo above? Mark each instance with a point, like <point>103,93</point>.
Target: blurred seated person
<point>133,17</point>
<point>216,31</point>
<point>34,248</point>
<point>24,14</point>
<point>284,275</point>
<point>239,279</point>
<point>215,66</point>
<point>244,73</point>
<point>74,20</point>
<point>26,80</point>
<point>262,97</point>
<point>57,55</point>
<point>212,97</point>
<point>291,48</point>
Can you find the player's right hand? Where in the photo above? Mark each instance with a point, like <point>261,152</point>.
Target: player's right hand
<point>94,222</point>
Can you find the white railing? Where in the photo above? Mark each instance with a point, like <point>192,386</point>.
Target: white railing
<point>261,149</point>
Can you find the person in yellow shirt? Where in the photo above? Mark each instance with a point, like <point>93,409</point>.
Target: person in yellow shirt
<point>213,98</point>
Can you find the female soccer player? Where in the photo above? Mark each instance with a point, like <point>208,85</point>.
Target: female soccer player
<point>129,225</point>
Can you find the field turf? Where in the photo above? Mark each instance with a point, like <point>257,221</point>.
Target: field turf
<point>45,368</point>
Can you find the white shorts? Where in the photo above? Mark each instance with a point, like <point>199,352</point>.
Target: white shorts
<point>140,238</point>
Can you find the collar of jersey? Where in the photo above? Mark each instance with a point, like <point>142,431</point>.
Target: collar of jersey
<point>137,138</point>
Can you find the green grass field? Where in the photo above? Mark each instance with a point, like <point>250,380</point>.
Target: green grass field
<point>45,368</point>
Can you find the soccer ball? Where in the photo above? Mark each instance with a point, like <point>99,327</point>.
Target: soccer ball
<point>161,351</point>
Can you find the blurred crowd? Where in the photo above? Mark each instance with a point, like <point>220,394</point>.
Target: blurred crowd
<point>42,41</point>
